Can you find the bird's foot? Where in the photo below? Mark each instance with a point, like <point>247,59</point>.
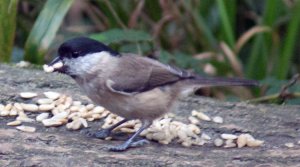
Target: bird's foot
<point>101,134</point>
<point>126,145</point>
<point>140,143</point>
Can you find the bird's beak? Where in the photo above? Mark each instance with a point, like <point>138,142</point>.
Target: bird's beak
<point>55,65</point>
<point>54,61</point>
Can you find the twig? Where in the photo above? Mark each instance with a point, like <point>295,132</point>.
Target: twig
<point>282,95</point>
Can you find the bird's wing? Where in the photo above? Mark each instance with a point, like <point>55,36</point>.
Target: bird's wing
<point>141,74</point>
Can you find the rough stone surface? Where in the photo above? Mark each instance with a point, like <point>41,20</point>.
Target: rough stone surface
<point>274,124</point>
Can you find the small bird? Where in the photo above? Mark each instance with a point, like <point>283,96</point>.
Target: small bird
<point>129,85</point>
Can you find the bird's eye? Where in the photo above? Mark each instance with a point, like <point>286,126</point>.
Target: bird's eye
<point>75,54</point>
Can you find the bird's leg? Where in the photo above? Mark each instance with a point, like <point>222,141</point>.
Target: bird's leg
<point>103,133</point>
<point>130,142</point>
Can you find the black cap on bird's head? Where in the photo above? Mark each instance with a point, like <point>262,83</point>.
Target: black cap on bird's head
<point>79,47</point>
<point>82,46</point>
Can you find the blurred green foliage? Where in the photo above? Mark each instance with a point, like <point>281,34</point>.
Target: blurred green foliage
<point>245,38</point>
<point>8,12</point>
<point>44,29</point>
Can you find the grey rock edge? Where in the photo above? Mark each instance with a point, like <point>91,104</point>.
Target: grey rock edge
<point>274,124</point>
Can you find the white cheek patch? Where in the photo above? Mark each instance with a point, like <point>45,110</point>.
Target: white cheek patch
<point>82,64</point>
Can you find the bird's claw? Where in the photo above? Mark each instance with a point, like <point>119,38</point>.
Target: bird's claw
<point>126,145</point>
<point>139,143</point>
<point>101,134</point>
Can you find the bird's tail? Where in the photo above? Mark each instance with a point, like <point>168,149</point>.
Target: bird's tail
<point>219,81</point>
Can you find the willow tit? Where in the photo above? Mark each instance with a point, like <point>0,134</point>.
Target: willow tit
<point>131,86</point>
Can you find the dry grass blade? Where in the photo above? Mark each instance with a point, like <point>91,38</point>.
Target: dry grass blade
<point>158,27</point>
<point>205,55</point>
<point>234,62</point>
<point>247,35</point>
<point>136,13</point>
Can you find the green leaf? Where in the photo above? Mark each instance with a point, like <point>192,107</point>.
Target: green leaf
<point>135,48</point>
<point>120,35</point>
<point>227,25</point>
<point>44,29</point>
<point>8,11</point>
<point>289,43</point>
<point>260,53</point>
<point>207,33</point>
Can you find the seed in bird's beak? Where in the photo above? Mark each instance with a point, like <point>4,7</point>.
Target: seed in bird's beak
<point>47,68</point>
<point>57,65</point>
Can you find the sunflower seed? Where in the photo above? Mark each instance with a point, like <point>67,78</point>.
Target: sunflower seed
<point>26,128</point>
<point>52,95</point>
<point>28,95</point>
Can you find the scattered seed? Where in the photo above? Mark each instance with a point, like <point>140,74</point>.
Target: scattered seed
<point>30,107</point>
<point>108,138</point>
<point>90,107</point>
<point>229,145</point>
<point>18,106</point>
<point>218,142</point>
<point>201,115</point>
<point>218,119</point>
<point>205,136</point>
<point>44,101</point>
<point>186,144</point>
<point>289,145</point>
<point>98,110</point>
<point>127,130</point>
<point>242,140</point>
<point>83,122</point>
<point>52,95</point>
<point>82,109</point>
<point>1,107</point>
<point>194,120</point>
<point>13,112</point>
<point>46,107</point>
<point>254,143</point>
<point>61,115</point>
<point>14,123</point>
<point>228,136</point>
<point>68,102</point>
<point>74,109</point>
<point>4,113</point>
<point>26,128</point>
<point>51,122</point>
<point>194,129</point>
<point>8,107</point>
<point>28,95</point>
<point>23,118</point>
<point>55,111</point>
<point>23,64</point>
<point>42,116</point>
<point>76,124</point>
<point>76,103</point>
<point>90,119</point>
<point>22,114</point>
